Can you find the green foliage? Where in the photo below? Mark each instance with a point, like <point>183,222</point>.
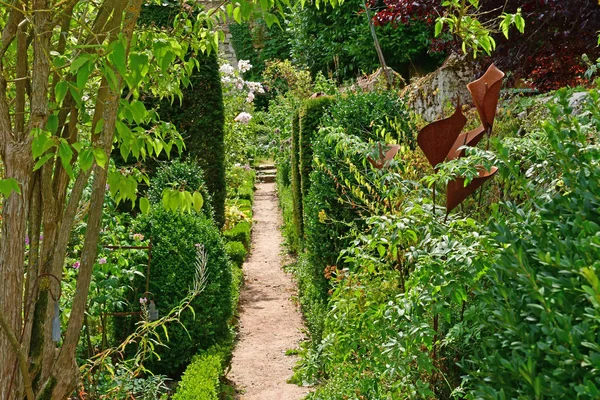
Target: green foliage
<point>259,44</point>
<point>462,20</point>
<point>239,233</point>
<point>295,182</point>
<point>201,379</point>
<point>541,320</point>
<point>311,113</point>
<point>236,251</point>
<point>338,41</point>
<point>179,175</point>
<point>199,117</point>
<point>174,238</point>
<point>240,183</point>
<point>360,114</point>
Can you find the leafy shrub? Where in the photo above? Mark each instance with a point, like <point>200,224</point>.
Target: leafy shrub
<point>201,379</point>
<point>240,182</point>
<point>239,233</point>
<point>174,237</point>
<point>186,175</point>
<point>360,114</point>
<point>236,252</point>
<point>338,41</point>
<point>541,321</point>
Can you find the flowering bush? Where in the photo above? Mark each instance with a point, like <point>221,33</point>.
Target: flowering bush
<point>238,99</point>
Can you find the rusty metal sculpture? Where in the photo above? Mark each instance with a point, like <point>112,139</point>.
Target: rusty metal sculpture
<point>485,92</point>
<point>438,138</point>
<point>442,139</point>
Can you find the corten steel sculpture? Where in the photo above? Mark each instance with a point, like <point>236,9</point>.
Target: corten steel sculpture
<point>442,139</point>
<point>485,92</point>
<point>438,138</point>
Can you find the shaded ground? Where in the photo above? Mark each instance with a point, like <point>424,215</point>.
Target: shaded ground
<point>270,324</point>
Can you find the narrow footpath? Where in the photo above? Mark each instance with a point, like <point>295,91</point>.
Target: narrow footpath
<point>270,324</point>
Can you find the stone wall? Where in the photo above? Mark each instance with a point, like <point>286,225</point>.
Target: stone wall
<point>226,50</point>
<point>430,94</point>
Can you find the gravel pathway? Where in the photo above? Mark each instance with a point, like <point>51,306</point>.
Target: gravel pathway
<point>270,324</point>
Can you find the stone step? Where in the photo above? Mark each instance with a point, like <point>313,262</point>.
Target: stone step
<point>266,178</point>
<point>264,167</point>
<point>266,172</point>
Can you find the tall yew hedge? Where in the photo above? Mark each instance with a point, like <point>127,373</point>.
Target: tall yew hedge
<point>199,115</point>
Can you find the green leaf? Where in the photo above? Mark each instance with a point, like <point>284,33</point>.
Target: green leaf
<point>439,25</point>
<point>198,201</point>
<point>118,57</point>
<point>79,62</point>
<point>237,15</point>
<point>60,91</point>
<point>138,110</point>
<point>86,159</point>
<point>100,157</point>
<point>65,154</point>
<point>520,23</point>
<point>9,185</point>
<point>52,124</point>
<point>42,161</point>
<point>41,144</point>
<point>144,205</point>
<point>83,74</point>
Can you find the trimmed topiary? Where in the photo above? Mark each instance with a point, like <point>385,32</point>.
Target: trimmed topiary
<point>310,121</point>
<point>201,379</point>
<point>295,175</point>
<point>174,237</point>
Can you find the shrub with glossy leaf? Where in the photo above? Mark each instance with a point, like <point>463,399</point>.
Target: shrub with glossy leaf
<point>201,379</point>
<point>542,317</point>
<point>174,238</point>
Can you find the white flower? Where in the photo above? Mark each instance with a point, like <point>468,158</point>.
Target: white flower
<point>226,69</point>
<point>255,87</point>
<point>250,97</point>
<point>243,117</point>
<point>244,65</point>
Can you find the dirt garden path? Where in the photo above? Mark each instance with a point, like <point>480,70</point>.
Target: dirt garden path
<point>270,324</point>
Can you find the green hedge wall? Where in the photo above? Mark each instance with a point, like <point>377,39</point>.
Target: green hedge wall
<point>295,181</point>
<point>200,118</point>
<point>310,119</point>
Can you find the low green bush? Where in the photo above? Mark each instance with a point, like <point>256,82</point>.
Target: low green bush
<point>239,233</point>
<point>201,379</point>
<point>174,238</point>
<point>236,252</point>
